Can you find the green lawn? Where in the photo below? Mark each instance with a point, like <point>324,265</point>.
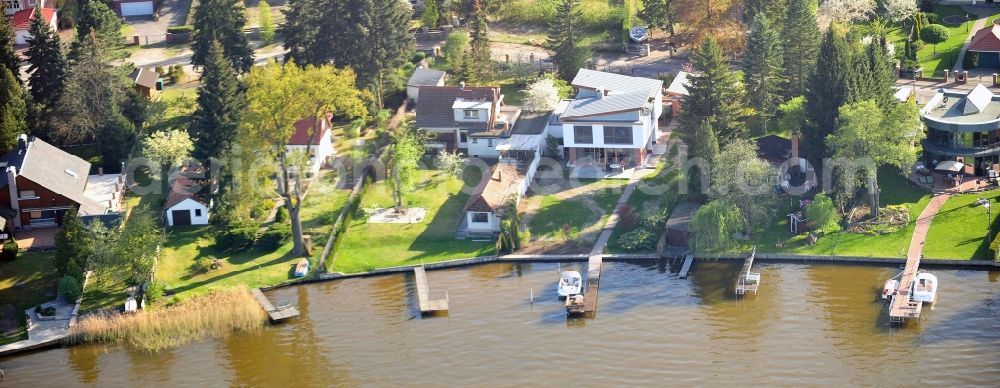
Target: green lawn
<point>27,281</point>
<point>555,212</point>
<point>254,267</point>
<point>368,246</point>
<point>88,152</point>
<point>946,53</point>
<point>959,229</point>
<point>896,190</point>
<point>654,191</point>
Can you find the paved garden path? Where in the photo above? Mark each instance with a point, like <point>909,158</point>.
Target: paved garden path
<point>609,227</point>
<point>924,224</point>
<point>978,25</point>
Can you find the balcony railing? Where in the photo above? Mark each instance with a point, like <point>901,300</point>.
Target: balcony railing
<point>992,149</point>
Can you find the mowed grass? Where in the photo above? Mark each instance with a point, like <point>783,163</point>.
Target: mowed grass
<point>896,190</point>
<point>936,60</point>
<point>959,229</point>
<point>556,211</point>
<point>252,267</point>
<point>596,15</point>
<point>28,280</point>
<point>368,246</point>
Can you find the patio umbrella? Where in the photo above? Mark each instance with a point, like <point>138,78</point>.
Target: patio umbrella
<point>949,165</point>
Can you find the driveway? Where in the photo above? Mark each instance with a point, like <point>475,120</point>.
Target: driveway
<point>172,13</point>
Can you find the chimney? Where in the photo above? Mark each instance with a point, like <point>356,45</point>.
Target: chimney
<point>600,93</point>
<point>795,146</point>
<point>12,188</point>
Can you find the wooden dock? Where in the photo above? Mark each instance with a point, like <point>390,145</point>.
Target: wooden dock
<point>748,281</point>
<point>427,305</point>
<point>901,307</point>
<point>686,267</point>
<point>276,314</point>
<point>593,283</point>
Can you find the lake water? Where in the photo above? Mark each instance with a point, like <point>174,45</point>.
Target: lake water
<point>809,325</point>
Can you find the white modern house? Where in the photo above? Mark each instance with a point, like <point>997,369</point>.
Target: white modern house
<point>613,121</point>
<point>318,145</point>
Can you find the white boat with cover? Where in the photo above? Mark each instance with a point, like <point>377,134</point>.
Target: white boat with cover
<point>570,283</point>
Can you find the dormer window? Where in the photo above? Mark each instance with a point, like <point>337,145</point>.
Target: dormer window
<point>470,114</point>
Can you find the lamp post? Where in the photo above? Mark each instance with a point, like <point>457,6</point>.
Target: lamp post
<point>989,233</point>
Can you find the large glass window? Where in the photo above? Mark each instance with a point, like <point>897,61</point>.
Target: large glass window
<point>617,135</point>
<point>583,134</point>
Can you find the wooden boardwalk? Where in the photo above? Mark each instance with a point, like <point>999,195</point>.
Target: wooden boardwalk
<point>593,283</point>
<point>276,314</point>
<point>688,260</point>
<point>427,305</point>
<point>901,307</point>
<point>747,281</point>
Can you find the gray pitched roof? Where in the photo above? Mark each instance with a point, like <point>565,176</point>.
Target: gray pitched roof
<point>424,76</point>
<point>977,100</point>
<point>615,83</point>
<point>608,104</point>
<point>434,109</point>
<point>531,123</point>
<point>52,168</point>
<point>145,77</point>
<point>679,85</point>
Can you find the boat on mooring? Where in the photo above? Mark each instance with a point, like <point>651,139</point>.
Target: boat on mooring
<point>574,305</point>
<point>924,288</point>
<point>302,268</point>
<point>890,288</point>
<point>570,283</point>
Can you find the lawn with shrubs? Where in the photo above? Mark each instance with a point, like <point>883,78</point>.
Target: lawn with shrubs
<point>25,281</point>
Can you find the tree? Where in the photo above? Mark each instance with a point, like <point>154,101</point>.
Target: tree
<point>92,98</point>
<point>821,212</point>
<point>455,47</point>
<point>934,34</point>
<point>13,110</point>
<point>278,97</point>
<point>541,95</point>
<point>897,11</point>
<point>763,70</point>
<point>479,45</point>
<point>874,75</point>
<point>431,15</point>
<point>8,58</point>
<point>828,90</point>
<point>48,64</point>
<point>137,245</point>
<point>568,56</point>
<point>741,178</point>
<point>452,163</point>
<point>97,19</point>
<point>266,22</point>
<point>715,95</point>
<point>702,144</point>
<point>848,11</point>
<point>713,226</point>
<point>404,155</point>
<point>220,106</point>
<point>73,243</point>
<point>658,14</point>
<point>167,149</point>
<point>223,21</point>
<point>800,43</point>
<point>772,10</point>
<point>886,139</point>
<point>793,115</point>
<point>717,18</point>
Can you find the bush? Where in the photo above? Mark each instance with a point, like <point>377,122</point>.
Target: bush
<point>282,216</point>
<point>10,250</point>
<point>276,236</point>
<point>995,247</point>
<point>155,291</point>
<point>73,269</point>
<point>418,56</point>
<point>236,235</point>
<point>45,312</point>
<point>70,289</point>
<point>657,220</point>
<point>262,208</point>
<point>65,22</point>
<point>639,239</point>
<point>932,18</point>
<point>180,29</point>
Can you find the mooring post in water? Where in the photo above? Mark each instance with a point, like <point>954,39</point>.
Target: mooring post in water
<point>531,295</point>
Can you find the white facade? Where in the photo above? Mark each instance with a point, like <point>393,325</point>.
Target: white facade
<point>21,36</point>
<point>319,154</point>
<point>491,224</point>
<point>641,135</point>
<point>141,8</point>
<point>197,211</point>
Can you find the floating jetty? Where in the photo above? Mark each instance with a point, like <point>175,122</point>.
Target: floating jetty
<point>593,283</point>
<point>748,281</point>
<point>902,306</point>
<point>275,314</point>
<point>427,305</point>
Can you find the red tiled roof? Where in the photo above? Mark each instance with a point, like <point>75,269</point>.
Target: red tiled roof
<point>494,190</point>
<point>986,39</point>
<point>302,129</point>
<point>21,20</point>
<point>184,187</point>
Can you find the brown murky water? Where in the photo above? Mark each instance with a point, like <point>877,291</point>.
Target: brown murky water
<point>808,326</point>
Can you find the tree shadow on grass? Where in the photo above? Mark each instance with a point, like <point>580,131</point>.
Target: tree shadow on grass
<point>230,274</point>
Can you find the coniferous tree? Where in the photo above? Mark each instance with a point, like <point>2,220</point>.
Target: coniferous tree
<point>8,58</point>
<point>48,64</point>
<point>702,143</point>
<point>763,70</point>
<point>568,56</point>
<point>716,96</point>
<point>98,19</point>
<point>773,10</point>
<point>658,14</point>
<point>303,28</point>
<point>220,105</point>
<point>800,42</point>
<point>827,92</point>
<point>221,20</point>
<point>13,110</point>
<point>874,77</point>
<point>479,44</point>
<point>388,46</point>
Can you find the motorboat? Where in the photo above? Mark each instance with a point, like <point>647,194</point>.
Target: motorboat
<point>891,286</point>
<point>924,288</point>
<point>570,283</point>
<point>574,305</point>
<point>639,34</point>
<point>302,268</point>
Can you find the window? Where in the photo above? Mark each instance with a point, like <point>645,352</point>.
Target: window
<point>583,134</point>
<point>197,212</point>
<point>481,217</point>
<point>471,114</point>
<point>475,140</point>
<point>12,4</point>
<point>463,136</point>
<point>489,142</point>
<point>617,135</point>
<point>27,194</point>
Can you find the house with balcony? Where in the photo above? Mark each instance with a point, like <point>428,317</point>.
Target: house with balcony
<point>963,127</point>
<point>611,125</point>
<point>454,113</point>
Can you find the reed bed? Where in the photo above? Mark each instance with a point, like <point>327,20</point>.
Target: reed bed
<point>219,314</point>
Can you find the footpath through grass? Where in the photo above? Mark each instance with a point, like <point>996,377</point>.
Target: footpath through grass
<point>27,281</point>
<point>368,246</point>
